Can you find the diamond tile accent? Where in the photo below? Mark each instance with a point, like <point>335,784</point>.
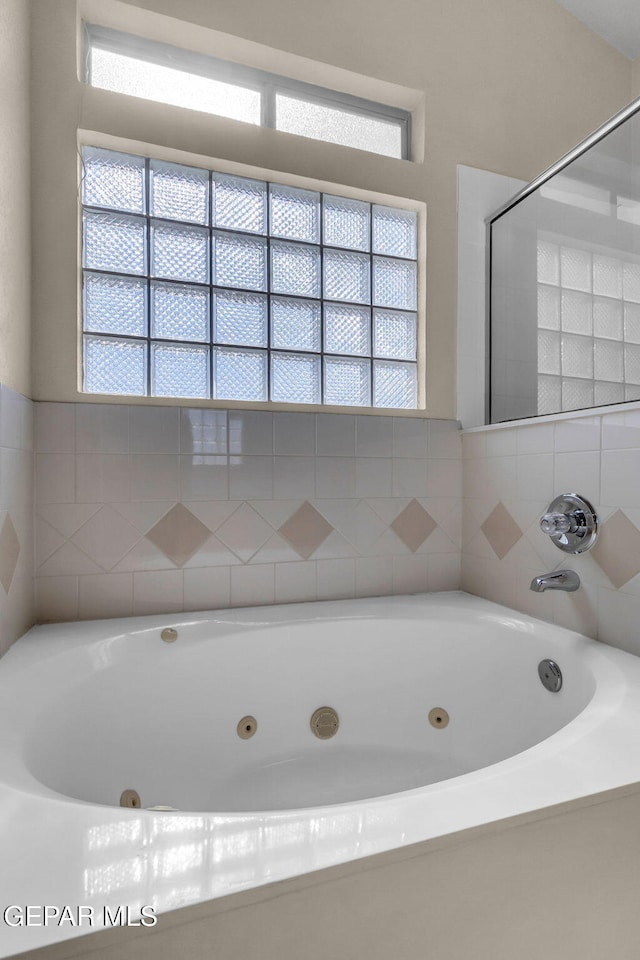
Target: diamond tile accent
<point>501,530</point>
<point>413,525</point>
<point>306,530</point>
<point>9,553</point>
<point>617,550</point>
<point>244,532</point>
<point>179,534</point>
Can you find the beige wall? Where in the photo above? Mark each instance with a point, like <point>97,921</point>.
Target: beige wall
<point>504,89</point>
<point>15,280</point>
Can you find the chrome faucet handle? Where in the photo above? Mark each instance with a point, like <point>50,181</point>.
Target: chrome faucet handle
<point>571,523</point>
<point>556,523</point>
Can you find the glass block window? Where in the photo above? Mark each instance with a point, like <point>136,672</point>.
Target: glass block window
<point>127,64</point>
<point>200,284</point>
<point>588,328</point>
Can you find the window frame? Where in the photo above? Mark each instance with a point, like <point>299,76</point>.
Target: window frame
<point>269,179</point>
<point>267,84</point>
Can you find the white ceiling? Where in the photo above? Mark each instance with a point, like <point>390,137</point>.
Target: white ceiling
<point>617,21</point>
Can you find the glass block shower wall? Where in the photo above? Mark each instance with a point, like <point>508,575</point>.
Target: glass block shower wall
<point>565,282</point>
<point>589,328</point>
<point>206,285</point>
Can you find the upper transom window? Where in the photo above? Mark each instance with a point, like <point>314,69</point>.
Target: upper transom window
<point>156,71</point>
<point>208,285</point>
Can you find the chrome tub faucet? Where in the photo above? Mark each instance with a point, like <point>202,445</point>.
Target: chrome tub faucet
<point>557,580</point>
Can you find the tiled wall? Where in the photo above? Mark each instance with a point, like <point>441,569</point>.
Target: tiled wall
<point>511,474</point>
<point>16,516</point>
<point>145,509</point>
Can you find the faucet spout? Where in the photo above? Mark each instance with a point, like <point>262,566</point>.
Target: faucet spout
<point>566,580</point>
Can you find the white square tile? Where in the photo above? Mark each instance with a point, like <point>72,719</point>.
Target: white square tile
<point>55,427</point>
<point>410,437</point>
<point>621,430</point>
<point>56,599</point>
<point>335,435</point>
<point>295,582</point>
<point>102,428</point>
<point>294,477</point>
<point>154,429</point>
<point>203,432</point>
<point>203,477</point>
<point>537,438</point>
<point>250,432</point>
<point>577,435</point>
<point>620,472</point>
<point>618,618</point>
<point>410,574</point>
<point>16,477</point>
<point>410,478</point>
<point>501,442</point>
<point>444,478</point>
<point>157,591</point>
<point>155,476</point>
<point>336,579</point>
<point>335,477</point>
<point>207,589</point>
<point>373,477</point>
<point>105,595</point>
<point>535,477</point>
<point>252,585</point>
<point>250,478</point>
<point>579,473</point>
<point>294,434</point>
<point>102,478</point>
<point>374,577</point>
<point>445,439</point>
<point>55,478</point>
<point>444,572</point>
<point>374,436</point>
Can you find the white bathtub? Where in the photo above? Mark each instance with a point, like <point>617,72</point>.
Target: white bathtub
<point>88,710</point>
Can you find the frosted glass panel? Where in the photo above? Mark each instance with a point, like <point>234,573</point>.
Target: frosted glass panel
<point>295,269</point>
<point>394,384</point>
<point>240,374</point>
<point>394,232</point>
<point>347,276</point>
<point>179,371</point>
<point>115,304</point>
<point>346,223</point>
<point>239,261</point>
<point>338,126</point>
<point>394,334</point>
<point>295,378</point>
<point>179,253</point>
<point>114,242</point>
<point>115,366</point>
<point>394,283</point>
<point>114,180</point>
<point>153,81</point>
<point>240,318</point>
<point>347,329</point>
<point>347,381</point>
<point>179,311</point>
<point>295,214</point>
<point>178,192</point>
<point>295,324</point>
<point>239,204</point>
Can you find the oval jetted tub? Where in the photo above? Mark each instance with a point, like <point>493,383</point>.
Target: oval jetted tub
<point>285,739</point>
